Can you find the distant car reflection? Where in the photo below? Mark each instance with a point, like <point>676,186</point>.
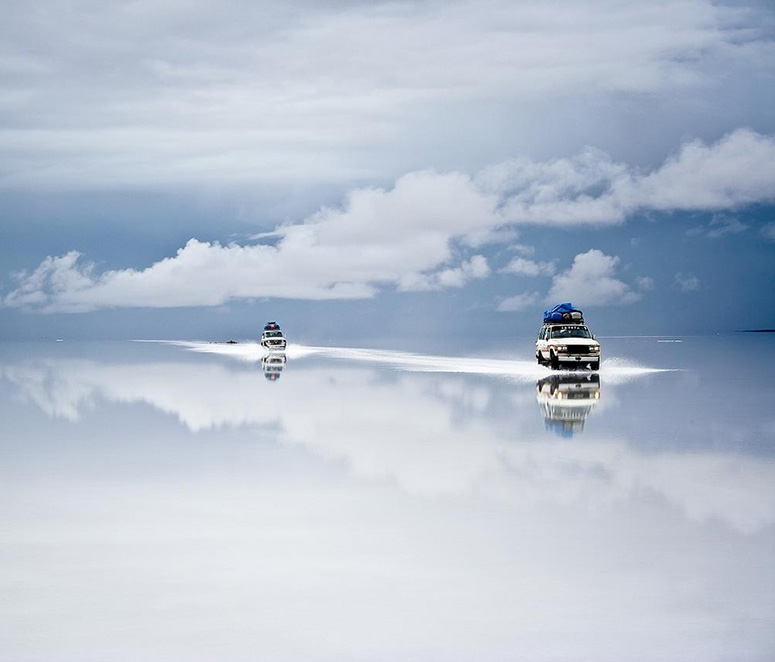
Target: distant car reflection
<point>567,400</point>
<point>273,365</point>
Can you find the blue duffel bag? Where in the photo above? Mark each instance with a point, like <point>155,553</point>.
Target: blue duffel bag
<point>563,312</point>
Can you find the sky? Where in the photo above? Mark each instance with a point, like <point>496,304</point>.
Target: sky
<point>378,172</point>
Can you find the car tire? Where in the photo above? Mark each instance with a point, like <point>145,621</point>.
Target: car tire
<point>539,359</point>
<point>554,361</point>
<point>595,365</point>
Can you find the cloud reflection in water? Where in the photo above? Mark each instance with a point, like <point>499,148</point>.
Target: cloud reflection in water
<point>397,511</point>
<point>430,434</point>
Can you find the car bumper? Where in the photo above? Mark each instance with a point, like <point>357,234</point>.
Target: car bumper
<point>578,358</point>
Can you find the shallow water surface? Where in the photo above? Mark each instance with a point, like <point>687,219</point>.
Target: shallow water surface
<point>204,501</point>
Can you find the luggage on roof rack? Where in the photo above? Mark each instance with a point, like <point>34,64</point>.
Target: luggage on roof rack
<point>564,313</point>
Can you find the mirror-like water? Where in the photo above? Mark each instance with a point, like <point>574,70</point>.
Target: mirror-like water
<point>202,501</point>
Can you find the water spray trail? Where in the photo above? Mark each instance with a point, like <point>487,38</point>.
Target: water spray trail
<point>615,370</point>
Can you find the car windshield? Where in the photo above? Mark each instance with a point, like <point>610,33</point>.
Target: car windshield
<point>273,334</point>
<point>570,332</point>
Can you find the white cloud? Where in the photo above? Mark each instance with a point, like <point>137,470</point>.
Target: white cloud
<point>54,277</point>
<point>768,232</point>
<point>687,282</point>
<point>645,283</point>
<point>591,281</point>
<point>521,249</point>
<point>420,234</point>
<point>525,267</point>
<point>241,92</point>
<point>379,238</point>
<point>475,268</point>
<point>720,226</point>
<point>518,302</point>
<point>590,188</point>
<point>562,191</point>
<point>739,169</point>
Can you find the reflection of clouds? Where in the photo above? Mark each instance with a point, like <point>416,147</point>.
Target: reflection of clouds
<point>52,387</point>
<point>709,485</point>
<point>201,397</point>
<point>430,434</point>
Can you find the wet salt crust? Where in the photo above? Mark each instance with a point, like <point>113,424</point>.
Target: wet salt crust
<point>198,501</point>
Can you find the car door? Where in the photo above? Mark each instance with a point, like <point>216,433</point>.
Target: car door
<point>541,341</point>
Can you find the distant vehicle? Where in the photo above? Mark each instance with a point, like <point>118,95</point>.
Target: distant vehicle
<point>565,339</point>
<point>272,338</point>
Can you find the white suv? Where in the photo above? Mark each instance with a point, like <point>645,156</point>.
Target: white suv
<point>570,344</point>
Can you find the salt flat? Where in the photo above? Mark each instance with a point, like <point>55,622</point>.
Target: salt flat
<point>196,501</point>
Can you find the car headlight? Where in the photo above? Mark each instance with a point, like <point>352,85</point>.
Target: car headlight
<point>561,348</point>
<point>595,349</point>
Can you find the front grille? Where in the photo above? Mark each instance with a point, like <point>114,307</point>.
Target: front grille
<point>578,349</point>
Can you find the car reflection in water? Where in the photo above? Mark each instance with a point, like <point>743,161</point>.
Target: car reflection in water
<point>273,365</point>
<point>566,401</point>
